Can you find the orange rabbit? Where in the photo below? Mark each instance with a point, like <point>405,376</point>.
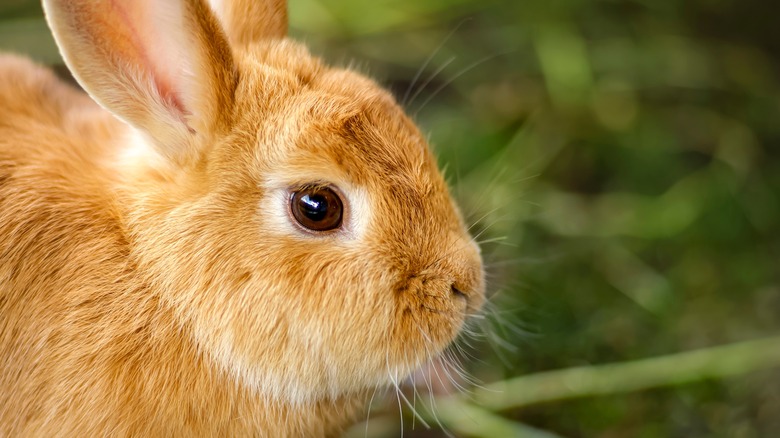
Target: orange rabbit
<point>240,242</point>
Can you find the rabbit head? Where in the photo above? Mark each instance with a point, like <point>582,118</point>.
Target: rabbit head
<point>288,213</point>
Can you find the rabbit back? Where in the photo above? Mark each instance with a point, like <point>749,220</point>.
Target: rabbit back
<point>63,258</point>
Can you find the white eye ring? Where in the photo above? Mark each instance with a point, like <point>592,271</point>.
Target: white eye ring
<point>276,213</point>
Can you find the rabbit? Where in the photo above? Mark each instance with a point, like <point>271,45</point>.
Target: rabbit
<point>222,237</point>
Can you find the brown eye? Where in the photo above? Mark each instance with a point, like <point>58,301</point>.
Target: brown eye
<point>316,208</point>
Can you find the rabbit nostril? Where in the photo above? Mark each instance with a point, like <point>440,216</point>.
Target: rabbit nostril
<point>457,292</point>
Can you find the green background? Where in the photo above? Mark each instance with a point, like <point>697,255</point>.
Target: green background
<point>620,162</point>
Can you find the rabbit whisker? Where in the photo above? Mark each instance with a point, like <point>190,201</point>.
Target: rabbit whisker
<point>429,59</point>
<point>431,394</point>
<point>368,411</point>
<point>431,78</point>
<point>411,407</point>
<point>397,391</point>
<point>458,75</point>
<point>487,189</point>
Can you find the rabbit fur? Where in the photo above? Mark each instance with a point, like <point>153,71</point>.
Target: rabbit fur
<point>152,280</point>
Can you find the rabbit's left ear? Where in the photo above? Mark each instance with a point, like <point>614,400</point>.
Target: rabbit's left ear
<point>163,66</point>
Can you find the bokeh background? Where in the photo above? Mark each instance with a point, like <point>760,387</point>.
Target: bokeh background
<point>619,160</point>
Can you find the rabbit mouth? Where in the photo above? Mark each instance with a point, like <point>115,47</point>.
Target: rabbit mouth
<point>432,312</point>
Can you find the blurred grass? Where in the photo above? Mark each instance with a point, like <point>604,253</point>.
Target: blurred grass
<point>621,161</point>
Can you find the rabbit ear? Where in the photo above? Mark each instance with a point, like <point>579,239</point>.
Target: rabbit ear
<point>164,67</point>
<point>248,21</point>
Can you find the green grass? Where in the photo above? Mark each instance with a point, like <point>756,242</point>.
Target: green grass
<point>621,162</point>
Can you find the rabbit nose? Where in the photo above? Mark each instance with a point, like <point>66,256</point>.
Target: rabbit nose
<point>468,281</point>
<point>469,289</point>
<point>457,293</point>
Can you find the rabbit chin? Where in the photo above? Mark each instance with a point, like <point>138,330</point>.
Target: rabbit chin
<point>299,380</point>
<point>324,362</point>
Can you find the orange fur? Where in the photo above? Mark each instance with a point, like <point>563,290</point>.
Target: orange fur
<point>151,282</point>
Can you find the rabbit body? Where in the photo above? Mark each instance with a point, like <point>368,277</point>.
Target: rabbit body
<point>87,347</point>
<point>151,280</point>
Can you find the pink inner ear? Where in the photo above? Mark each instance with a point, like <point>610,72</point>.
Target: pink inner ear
<point>146,46</point>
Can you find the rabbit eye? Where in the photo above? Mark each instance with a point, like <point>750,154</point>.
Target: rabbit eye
<point>316,208</point>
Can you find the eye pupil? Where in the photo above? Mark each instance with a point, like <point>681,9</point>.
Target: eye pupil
<point>316,208</point>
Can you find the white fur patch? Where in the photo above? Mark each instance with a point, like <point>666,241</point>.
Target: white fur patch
<point>217,6</point>
<point>137,151</point>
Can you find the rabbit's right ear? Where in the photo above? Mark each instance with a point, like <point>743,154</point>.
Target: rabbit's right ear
<point>163,66</point>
